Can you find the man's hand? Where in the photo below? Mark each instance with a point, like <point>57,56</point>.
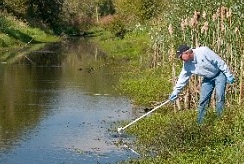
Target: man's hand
<point>172,97</point>
<point>230,79</point>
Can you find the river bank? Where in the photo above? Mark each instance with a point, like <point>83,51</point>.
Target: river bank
<point>173,136</point>
<point>17,36</point>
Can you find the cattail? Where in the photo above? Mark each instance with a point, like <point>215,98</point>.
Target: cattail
<point>229,13</point>
<point>223,12</point>
<point>204,28</point>
<point>186,22</point>
<point>222,27</point>
<point>204,14</point>
<point>217,13</point>
<point>182,24</point>
<point>193,22</point>
<point>206,23</point>
<point>236,31</point>
<point>214,17</point>
<point>197,16</point>
<point>170,28</point>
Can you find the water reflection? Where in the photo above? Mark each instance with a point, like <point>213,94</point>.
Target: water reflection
<point>57,105</point>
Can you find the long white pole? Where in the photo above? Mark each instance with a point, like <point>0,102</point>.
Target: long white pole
<point>123,128</point>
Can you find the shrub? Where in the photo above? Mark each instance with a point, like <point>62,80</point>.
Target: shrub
<point>115,25</point>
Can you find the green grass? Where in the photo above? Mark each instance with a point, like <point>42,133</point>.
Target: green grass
<point>131,47</point>
<point>145,86</point>
<point>16,35</point>
<point>7,41</point>
<point>177,138</point>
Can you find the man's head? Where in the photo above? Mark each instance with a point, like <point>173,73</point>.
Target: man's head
<point>184,52</point>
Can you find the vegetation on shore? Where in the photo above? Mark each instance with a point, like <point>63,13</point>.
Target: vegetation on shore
<point>146,35</point>
<point>16,36</point>
<point>169,136</point>
<point>173,135</point>
<point>177,138</point>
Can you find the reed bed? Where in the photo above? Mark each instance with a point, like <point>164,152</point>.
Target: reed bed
<point>221,30</point>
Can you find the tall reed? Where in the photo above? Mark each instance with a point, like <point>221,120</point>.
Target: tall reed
<point>221,31</point>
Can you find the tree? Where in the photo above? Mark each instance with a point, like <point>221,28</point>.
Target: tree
<point>140,10</point>
<point>47,11</point>
<point>106,7</point>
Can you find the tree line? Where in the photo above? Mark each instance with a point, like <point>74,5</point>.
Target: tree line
<point>61,16</point>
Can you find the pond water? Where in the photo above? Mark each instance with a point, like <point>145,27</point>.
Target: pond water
<point>59,105</point>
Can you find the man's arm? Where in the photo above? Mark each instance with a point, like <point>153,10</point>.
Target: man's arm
<point>182,81</point>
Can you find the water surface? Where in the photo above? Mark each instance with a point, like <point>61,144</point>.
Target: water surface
<point>59,105</point>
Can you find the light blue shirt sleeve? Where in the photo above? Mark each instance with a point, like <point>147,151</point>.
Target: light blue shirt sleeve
<point>182,81</point>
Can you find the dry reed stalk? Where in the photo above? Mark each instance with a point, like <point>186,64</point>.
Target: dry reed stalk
<point>183,26</point>
<point>174,77</point>
<point>229,15</point>
<point>154,59</point>
<point>241,79</point>
<point>187,99</point>
<point>170,29</point>
<point>163,56</point>
<point>218,38</point>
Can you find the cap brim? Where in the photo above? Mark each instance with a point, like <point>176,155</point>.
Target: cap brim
<point>178,54</point>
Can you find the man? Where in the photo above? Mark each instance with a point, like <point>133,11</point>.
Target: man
<point>203,62</point>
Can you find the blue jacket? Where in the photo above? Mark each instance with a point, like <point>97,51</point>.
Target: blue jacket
<point>205,63</point>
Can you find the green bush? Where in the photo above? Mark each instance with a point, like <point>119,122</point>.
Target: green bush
<point>116,26</point>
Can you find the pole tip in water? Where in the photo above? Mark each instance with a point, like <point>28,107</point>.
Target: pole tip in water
<point>120,130</point>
